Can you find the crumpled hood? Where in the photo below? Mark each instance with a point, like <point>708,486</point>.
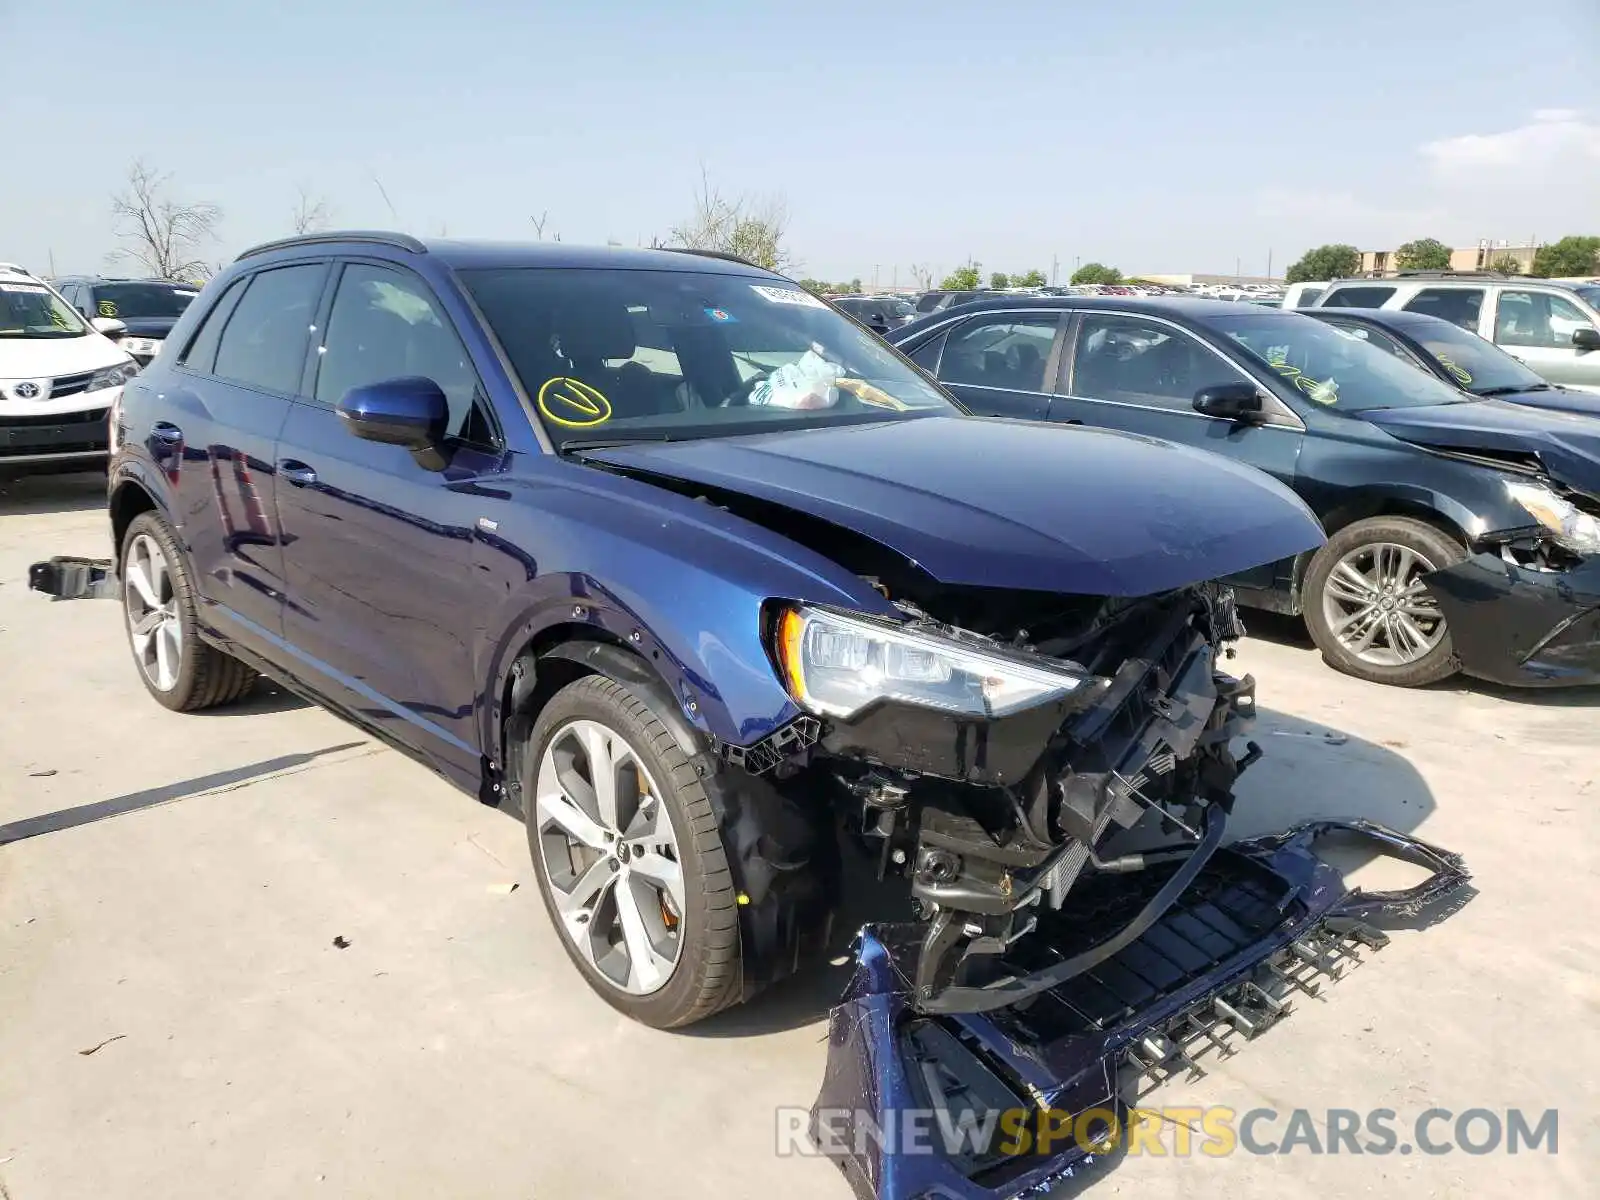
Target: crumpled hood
<point>1010,504</point>
<point>1567,443</point>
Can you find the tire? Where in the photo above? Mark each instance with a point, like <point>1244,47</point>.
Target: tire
<point>204,676</point>
<point>704,935</point>
<point>1397,550</point>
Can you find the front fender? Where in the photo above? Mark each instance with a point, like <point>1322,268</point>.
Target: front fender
<point>680,582</point>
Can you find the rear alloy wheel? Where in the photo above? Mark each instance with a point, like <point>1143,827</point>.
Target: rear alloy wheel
<point>180,670</point>
<point>1367,605</point>
<point>629,856</point>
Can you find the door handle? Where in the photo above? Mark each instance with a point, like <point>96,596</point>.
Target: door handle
<point>166,433</point>
<point>296,472</point>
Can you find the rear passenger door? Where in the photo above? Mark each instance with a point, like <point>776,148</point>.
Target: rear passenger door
<point>215,435</point>
<point>999,364</point>
<point>383,597</point>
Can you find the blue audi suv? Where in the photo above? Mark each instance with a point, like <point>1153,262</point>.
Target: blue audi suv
<point>686,569</point>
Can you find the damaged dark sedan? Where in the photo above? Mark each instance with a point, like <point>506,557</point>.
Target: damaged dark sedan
<point>1463,530</point>
<point>663,555</point>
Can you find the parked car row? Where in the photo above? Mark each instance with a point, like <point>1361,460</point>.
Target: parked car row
<point>1463,529</point>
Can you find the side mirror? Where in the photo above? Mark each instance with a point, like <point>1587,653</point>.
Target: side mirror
<point>109,326</point>
<point>1230,401</point>
<point>410,412</point>
<point>1586,337</point>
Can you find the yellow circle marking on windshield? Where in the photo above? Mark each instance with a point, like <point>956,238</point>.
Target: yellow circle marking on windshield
<point>573,403</point>
<point>107,308</point>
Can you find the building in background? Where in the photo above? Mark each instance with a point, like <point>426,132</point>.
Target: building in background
<point>1468,258</point>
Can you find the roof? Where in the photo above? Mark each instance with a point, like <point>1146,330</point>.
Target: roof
<point>1190,307</point>
<point>468,255</point>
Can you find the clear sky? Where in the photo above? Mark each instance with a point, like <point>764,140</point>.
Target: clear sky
<point>1156,135</point>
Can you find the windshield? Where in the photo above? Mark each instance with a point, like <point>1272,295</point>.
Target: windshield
<point>1480,366</point>
<point>1590,293</point>
<point>138,300</point>
<point>1331,367</point>
<point>610,356</point>
<point>31,310</point>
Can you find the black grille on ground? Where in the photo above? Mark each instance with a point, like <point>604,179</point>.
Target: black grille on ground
<point>1225,911</point>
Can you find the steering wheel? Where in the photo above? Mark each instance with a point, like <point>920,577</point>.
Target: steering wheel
<point>741,396</point>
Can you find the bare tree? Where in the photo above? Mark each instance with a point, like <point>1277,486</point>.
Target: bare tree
<point>160,233</point>
<point>922,276</point>
<point>311,213</point>
<point>751,227</point>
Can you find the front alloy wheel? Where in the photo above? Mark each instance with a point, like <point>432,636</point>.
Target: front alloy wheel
<point>611,857</point>
<point>1378,607</point>
<point>1367,603</point>
<point>629,855</point>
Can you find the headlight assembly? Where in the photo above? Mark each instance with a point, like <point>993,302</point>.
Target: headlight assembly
<point>835,664</point>
<point>113,376</point>
<point>1569,526</point>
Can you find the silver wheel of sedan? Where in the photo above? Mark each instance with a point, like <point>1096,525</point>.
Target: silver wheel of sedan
<point>1377,606</point>
<point>608,850</point>
<point>151,603</point>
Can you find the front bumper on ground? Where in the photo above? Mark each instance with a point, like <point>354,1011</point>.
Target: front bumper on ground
<point>1264,919</point>
<point>54,437</point>
<point>1522,627</point>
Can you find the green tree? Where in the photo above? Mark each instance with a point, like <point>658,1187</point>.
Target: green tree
<point>1096,273</point>
<point>1506,264</point>
<point>1031,279</point>
<point>1333,261</point>
<point>813,285</point>
<point>855,284</point>
<point>999,280</point>
<point>1570,256</point>
<point>1424,254</point>
<point>962,279</point>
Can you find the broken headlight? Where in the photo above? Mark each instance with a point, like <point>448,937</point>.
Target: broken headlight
<point>836,664</point>
<point>1569,526</point>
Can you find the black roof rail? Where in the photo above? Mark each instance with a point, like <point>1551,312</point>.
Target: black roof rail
<point>376,237</point>
<point>724,255</point>
<point>1441,274</point>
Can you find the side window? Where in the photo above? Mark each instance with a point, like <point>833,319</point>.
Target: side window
<point>1537,319</point>
<point>1000,351</point>
<point>201,354</point>
<point>1144,362</point>
<point>1357,297</point>
<point>264,342</point>
<point>926,355</point>
<point>385,324</point>
<point>1459,306</point>
<point>1308,298</point>
<point>1373,337</point>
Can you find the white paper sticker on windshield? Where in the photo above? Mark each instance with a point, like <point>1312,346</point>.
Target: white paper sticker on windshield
<point>32,289</point>
<point>181,292</point>
<point>781,295</point>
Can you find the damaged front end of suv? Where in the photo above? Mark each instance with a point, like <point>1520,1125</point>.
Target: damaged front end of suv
<point>987,772</point>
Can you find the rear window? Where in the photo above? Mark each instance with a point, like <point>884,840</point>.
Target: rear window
<point>134,301</point>
<point>1357,297</point>
<point>1308,297</point>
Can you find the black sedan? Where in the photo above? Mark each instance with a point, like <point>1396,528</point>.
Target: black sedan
<point>1464,534</point>
<point>1458,356</point>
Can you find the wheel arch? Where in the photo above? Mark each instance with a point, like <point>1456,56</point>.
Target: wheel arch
<point>1430,508</point>
<point>128,500</point>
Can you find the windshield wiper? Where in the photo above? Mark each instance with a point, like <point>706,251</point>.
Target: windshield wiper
<point>579,444</point>
<point>1511,388</point>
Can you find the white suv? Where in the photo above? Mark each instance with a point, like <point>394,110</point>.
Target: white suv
<point>1553,327</point>
<point>59,378</point>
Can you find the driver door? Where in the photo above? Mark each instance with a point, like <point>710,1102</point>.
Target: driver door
<point>1140,373</point>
